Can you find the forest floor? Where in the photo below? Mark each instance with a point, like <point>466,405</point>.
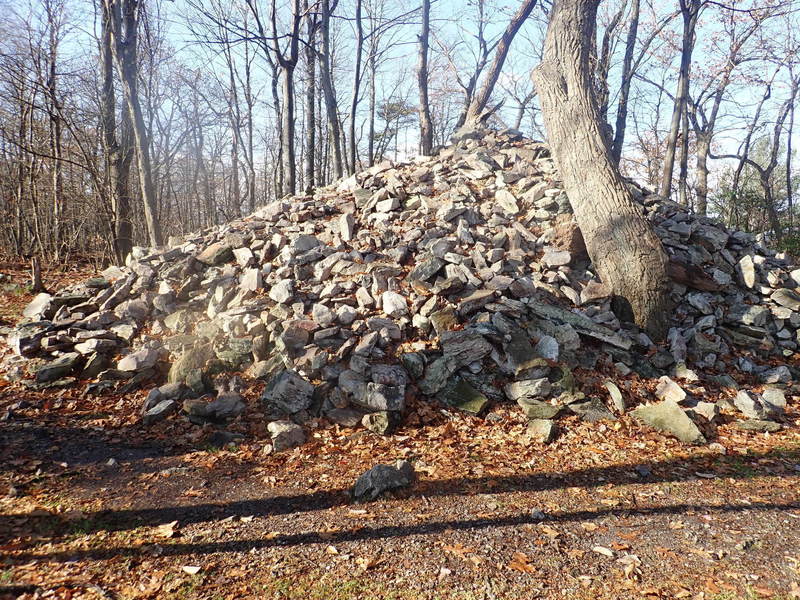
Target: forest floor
<point>93,505</point>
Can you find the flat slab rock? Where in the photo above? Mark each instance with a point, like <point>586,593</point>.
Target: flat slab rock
<point>667,416</point>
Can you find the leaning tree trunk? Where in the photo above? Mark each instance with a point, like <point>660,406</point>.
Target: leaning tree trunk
<point>476,110</point>
<point>623,247</point>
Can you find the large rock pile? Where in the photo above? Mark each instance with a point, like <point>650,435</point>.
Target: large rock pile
<point>462,277</point>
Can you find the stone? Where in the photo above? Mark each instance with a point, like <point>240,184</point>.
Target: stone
<point>378,422</point>
<point>346,227</point>
<point>194,358</point>
<point>592,410</point>
<point>464,347</point>
<point>461,395</point>
<point>244,256</point>
<point>542,430</point>
<point>39,308</point>
<point>528,388</point>
<point>282,292</point>
<point>780,374</point>
<point>159,412</point>
<point>216,254</point>
<point>708,410</point>
<point>288,392</point>
<point>286,435</point>
<point>426,269</point>
<point>666,389</point>
<point>394,304</point>
<point>746,270</point>
<point>616,396</point>
<point>323,315</point>
<point>251,280</point>
<point>758,425</point>
<point>750,407</point>
<point>507,202</point>
<point>547,348</point>
<point>226,406</point>
<point>58,368</point>
<point>774,400</point>
<point>382,478</point>
<point>667,416</point>
<point>140,360</point>
<point>382,397</point>
<point>556,258</point>
<point>787,298</point>
<point>538,409</point>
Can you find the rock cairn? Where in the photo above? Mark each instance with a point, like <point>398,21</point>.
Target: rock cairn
<point>461,278</point>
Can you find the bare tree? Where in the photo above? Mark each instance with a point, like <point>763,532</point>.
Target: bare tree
<point>425,124</point>
<point>624,249</point>
<point>124,46</point>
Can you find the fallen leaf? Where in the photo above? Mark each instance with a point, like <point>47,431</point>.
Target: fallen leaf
<point>167,530</point>
<point>604,551</point>
<point>191,570</point>
<point>520,562</point>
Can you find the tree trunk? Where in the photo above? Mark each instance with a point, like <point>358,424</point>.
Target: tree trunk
<point>625,87</point>
<point>425,125</point>
<point>357,72</point>
<point>477,105</point>
<point>334,132</point>
<point>690,10</point>
<point>623,247</point>
<point>125,56</point>
<point>701,187</point>
<point>311,102</point>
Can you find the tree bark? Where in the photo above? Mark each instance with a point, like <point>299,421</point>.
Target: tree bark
<point>625,87</point>
<point>623,247</point>
<point>334,130</point>
<point>125,57</point>
<point>478,103</point>
<point>310,99</point>
<point>425,124</point>
<point>690,9</point>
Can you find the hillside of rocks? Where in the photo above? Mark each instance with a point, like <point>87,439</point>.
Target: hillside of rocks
<point>460,279</point>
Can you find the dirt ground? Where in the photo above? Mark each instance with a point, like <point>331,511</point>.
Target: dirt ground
<point>93,505</point>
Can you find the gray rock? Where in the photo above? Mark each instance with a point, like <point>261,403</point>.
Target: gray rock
<point>346,417</point>
<point>666,389</point>
<point>542,430</point>
<point>394,304</point>
<point>592,410</point>
<point>787,298</point>
<point>463,396</point>
<point>556,258</point>
<point>746,270</point>
<point>382,478</point>
<point>216,254</point>
<point>547,348</point>
<point>708,410</point>
<point>750,407</point>
<point>780,374</point>
<point>289,392</point>
<point>669,417</point>
<point>286,435</point>
<point>283,291</point>
<point>58,368</point>
<point>39,308</point>
<point>616,396</point>
<point>346,227</point>
<point>464,347</point>
<point>380,422</point>
<point>528,388</point>
<point>226,406</point>
<point>193,359</point>
<point>382,397</point>
<point>759,425</point>
<point>142,359</point>
<point>538,409</point>
<point>159,412</point>
<point>774,400</point>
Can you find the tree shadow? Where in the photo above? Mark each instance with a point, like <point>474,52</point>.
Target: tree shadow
<point>735,467</point>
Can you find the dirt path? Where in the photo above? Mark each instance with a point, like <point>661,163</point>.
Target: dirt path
<point>606,511</point>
